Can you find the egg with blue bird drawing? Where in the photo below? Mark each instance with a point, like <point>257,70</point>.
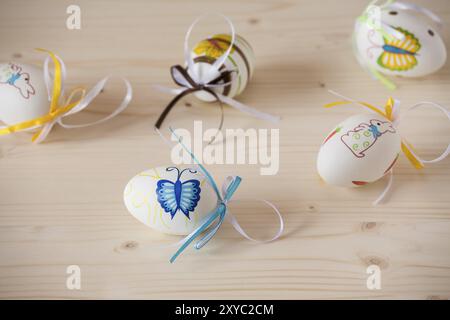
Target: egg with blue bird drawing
<point>419,52</point>
<point>358,151</point>
<point>173,200</point>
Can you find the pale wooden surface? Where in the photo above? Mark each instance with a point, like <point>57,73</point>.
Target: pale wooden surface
<point>61,202</point>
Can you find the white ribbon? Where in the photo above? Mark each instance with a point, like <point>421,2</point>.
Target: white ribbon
<point>416,8</point>
<point>382,197</point>
<point>214,71</point>
<point>83,104</point>
<point>439,107</point>
<point>233,221</point>
<point>370,15</point>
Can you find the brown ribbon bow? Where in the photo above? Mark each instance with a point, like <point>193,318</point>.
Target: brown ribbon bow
<point>193,87</point>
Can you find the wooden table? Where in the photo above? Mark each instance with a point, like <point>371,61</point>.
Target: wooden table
<point>61,201</point>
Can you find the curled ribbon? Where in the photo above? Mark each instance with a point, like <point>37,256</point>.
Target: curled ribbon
<point>181,77</point>
<point>392,113</point>
<point>215,218</point>
<point>372,18</point>
<point>60,110</point>
<point>191,82</point>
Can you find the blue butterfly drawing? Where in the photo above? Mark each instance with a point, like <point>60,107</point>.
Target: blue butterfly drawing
<point>174,196</point>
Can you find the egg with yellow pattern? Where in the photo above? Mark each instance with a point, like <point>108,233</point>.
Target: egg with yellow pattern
<point>241,61</point>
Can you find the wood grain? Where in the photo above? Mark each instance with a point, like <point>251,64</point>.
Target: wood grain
<point>61,202</point>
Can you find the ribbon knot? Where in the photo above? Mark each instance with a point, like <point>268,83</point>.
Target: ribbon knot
<point>372,17</point>
<point>183,79</point>
<point>216,216</point>
<point>220,212</point>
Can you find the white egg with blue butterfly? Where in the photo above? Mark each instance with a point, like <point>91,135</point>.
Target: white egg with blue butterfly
<point>359,150</point>
<point>417,50</point>
<point>173,200</point>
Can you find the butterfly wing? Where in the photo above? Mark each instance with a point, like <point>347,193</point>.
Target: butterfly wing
<point>409,43</point>
<point>403,58</point>
<point>211,47</point>
<point>165,191</point>
<point>190,195</point>
<point>396,61</point>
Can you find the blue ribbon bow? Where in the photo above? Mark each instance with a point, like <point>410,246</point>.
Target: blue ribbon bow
<point>218,213</point>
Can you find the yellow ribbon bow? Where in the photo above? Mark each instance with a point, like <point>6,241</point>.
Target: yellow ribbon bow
<point>388,113</point>
<point>56,109</point>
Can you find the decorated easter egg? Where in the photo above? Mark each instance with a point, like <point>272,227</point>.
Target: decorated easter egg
<point>241,60</point>
<point>360,150</point>
<point>170,199</point>
<point>421,51</point>
<point>23,93</point>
